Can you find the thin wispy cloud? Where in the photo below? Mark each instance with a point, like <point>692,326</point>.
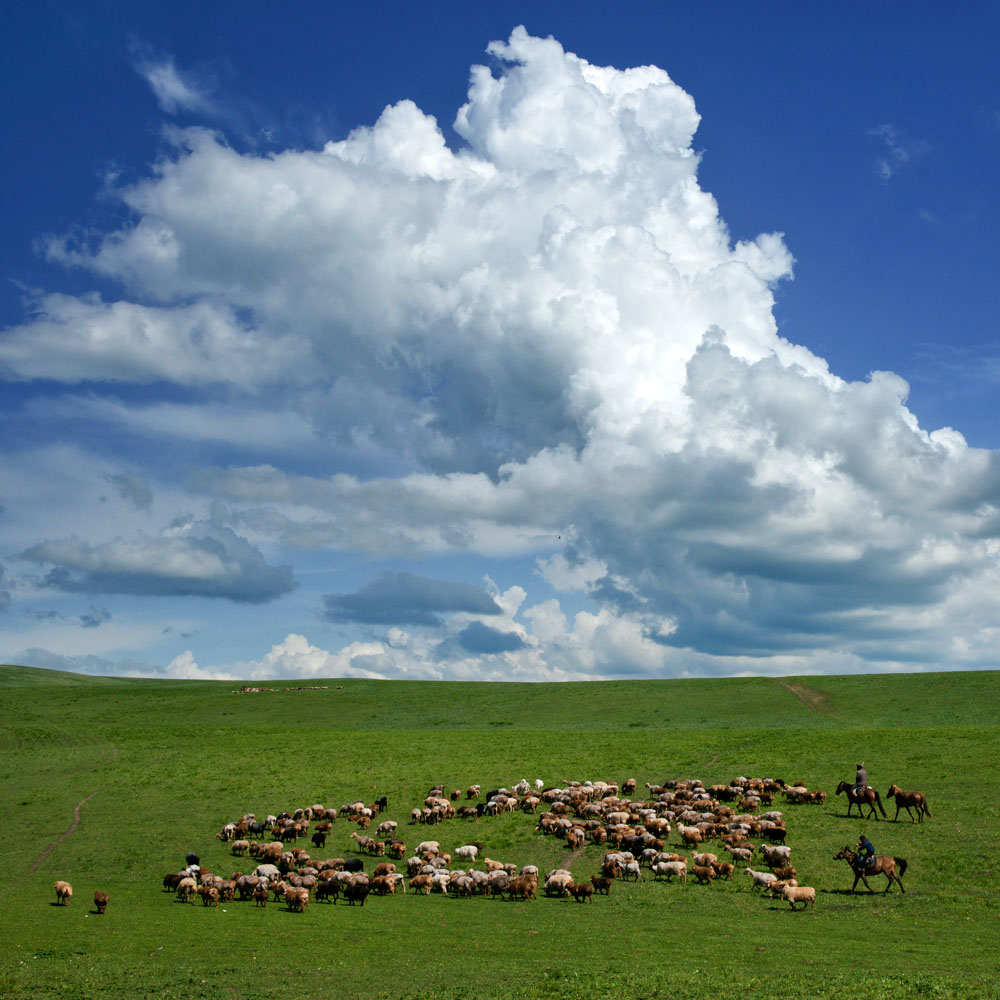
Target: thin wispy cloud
<point>898,150</point>
<point>175,91</point>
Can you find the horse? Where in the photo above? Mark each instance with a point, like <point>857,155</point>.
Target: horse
<point>906,799</point>
<point>883,865</point>
<point>868,796</point>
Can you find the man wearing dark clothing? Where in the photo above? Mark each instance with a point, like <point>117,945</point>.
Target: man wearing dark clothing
<point>866,851</point>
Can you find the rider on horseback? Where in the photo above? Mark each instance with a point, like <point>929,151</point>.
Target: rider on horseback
<point>866,851</point>
<point>860,780</point>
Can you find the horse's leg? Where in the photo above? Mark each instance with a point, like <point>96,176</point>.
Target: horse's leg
<point>854,887</point>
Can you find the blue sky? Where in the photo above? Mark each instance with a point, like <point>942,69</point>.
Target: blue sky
<point>661,344</point>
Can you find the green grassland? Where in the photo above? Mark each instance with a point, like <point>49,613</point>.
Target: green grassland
<point>159,767</point>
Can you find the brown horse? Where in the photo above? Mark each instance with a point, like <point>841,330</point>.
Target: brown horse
<point>883,865</point>
<point>906,799</point>
<point>868,796</point>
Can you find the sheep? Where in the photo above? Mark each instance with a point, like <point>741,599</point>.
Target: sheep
<point>260,895</point>
<point>761,880</point>
<point>601,884</point>
<point>785,873</point>
<point>209,895</point>
<point>100,900</point>
<point>774,855</point>
<point>423,882</point>
<point>429,847</point>
<point>464,885</point>
<point>383,884</point>
<point>723,870</point>
<point>691,835</point>
<point>524,887</point>
<point>670,869</point>
<point>777,887</point>
<point>386,828</point>
<point>703,873</point>
<point>268,871</point>
<point>297,900</point>
<point>64,893</point>
<point>187,888</point>
<point>467,851</point>
<point>741,853</point>
<point>557,883</point>
<point>581,891</point>
<point>328,890</point>
<point>803,894</point>
<point>632,870</point>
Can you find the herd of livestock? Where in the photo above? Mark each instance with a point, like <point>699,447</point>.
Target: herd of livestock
<point>719,830</point>
<point>738,821</point>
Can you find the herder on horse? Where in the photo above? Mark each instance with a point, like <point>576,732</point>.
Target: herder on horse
<point>860,780</point>
<point>866,852</point>
<point>861,794</point>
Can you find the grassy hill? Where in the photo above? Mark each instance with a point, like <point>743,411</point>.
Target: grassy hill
<point>108,782</point>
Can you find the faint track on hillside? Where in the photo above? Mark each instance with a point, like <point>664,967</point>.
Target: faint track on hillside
<point>77,809</point>
<point>819,703</point>
<point>110,751</point>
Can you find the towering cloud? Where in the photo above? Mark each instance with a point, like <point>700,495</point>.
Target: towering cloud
<point>540,338</point>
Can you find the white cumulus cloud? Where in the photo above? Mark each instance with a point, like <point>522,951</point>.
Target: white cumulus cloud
<point>545,344</point>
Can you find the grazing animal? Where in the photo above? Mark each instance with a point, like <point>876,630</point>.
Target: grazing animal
<point>883,865</point>
<point>703,873</point>
<point>187,889</point>
<point>670,869</point>
<point>64,893</point>
<point>799,894</point>
<point>297,900</point>
<point>868,796</point>
<point>581,891</point>
<point>100,900</point>
<point>761,880</point>
<point>775,856</point>
<point>904,800</point>
<point>601,884</point>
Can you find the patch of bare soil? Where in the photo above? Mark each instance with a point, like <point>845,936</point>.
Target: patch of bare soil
<point>811,699</point>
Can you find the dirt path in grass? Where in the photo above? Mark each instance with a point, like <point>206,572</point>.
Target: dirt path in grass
<point>811,699</point>
<point>77,810</point>
<point>67,833</point>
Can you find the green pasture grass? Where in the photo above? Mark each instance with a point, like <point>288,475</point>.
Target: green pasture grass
<point>161,766</point>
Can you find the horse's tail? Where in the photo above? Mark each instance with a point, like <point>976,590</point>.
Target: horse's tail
<point>878,802</point>
<point>927,808</point>
<point>902,865</point>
